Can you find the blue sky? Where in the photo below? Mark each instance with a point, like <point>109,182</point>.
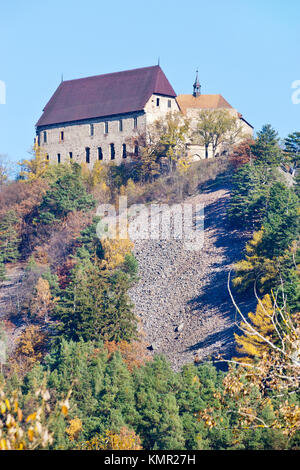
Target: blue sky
<point>246,50</point>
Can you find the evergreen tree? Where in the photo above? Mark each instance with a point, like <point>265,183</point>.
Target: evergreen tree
<point>66,194</point>
<point>118,320</point>
<point>2,269</point>
<point>249,196</point>
<point>292,148</point>
<point>96,304</point>
<point>281,224</point>
<point>266,148</point>
<point>9,240</point>
<point>90,241</point>
<point>79,307</point>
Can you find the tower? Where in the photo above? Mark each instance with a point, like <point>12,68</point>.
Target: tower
<point>197,86</point>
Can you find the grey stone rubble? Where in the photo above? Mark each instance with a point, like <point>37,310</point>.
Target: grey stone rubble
<point>181,297</point>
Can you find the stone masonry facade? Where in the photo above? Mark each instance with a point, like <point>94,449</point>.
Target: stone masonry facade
<point>108,138</point>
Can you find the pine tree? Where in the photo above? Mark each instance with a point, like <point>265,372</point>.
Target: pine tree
<point>66,194</point>
<point>2,269</point>
<point>79,307</point>
<point>281,224</point>
<point>118,320</point>
<point>9,240</point>
<point>292,149</point>
<point>96,304</point>
<point>266,148</point>
<point>249,198</point>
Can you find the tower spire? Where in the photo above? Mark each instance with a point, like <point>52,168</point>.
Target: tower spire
<point>197,86</point>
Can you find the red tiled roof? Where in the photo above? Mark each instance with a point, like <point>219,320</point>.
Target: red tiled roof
<point>105,95</point>
<point>201,102</point>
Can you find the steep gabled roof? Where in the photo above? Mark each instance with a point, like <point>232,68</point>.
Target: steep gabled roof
<point>105,95</point>
<point>201,102</point>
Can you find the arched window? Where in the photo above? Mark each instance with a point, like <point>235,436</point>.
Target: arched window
<point>124,155</point>
<point>100,154</point>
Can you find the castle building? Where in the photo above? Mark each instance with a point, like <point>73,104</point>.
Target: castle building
<point>191,105</point>
<point>99,117</point>
<point>96,118</point>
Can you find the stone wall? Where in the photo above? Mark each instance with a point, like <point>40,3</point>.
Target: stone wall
<point>108,134</point>
<point>197,152</point>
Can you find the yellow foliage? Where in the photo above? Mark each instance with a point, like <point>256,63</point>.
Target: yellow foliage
<point>184,163</point>
<point>85,171</point>
<point>98,174</point>
<point>251,344</point>
<point>37,166</point>
<point>74,429</point>
<point>29,349</point>
<point>255,267</point>
<point>18,432</point>
<point>115,250</point>
<point>42,302</point>
<point>130,185</point>
<point>126,439</point>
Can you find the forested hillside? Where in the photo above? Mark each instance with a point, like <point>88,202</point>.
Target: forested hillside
<point>93,354</point>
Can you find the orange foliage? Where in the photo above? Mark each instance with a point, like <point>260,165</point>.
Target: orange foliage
<point>30,348</point>
<point>22,198</point>
<point>241,153</point>
<point>64,273</point>
<point>134,354</point>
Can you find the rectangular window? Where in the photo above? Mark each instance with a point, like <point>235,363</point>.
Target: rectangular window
<point>157,101</point>
<point>100,154</point>
<point>124,155</point>
<point>45,137</point>
<point>136,148</point>
<point>58,158</point>
<point>47,157</point>
<point>169,103</point>
<point>112,151</point>
<point>135,123</point>
<point>61,136</point>
<point>91,130</point>
<point>87,155</point>
<point>106,127</point>
<point>71,155</point>
<point>120,125</point>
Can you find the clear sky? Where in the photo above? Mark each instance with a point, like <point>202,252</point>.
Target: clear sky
<point>246,50</point>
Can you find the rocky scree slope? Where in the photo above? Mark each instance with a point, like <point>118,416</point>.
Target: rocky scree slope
<point>182,297</point>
